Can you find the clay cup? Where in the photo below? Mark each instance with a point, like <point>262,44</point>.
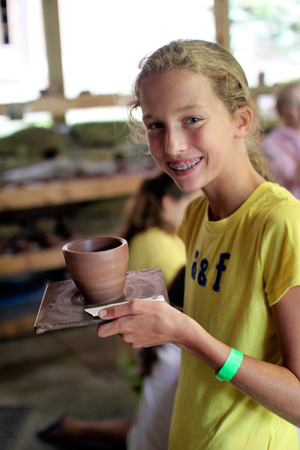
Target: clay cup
<point>98,267</point>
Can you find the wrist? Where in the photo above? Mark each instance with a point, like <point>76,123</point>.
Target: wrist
<point>231,366</point>
<point>193,338</point>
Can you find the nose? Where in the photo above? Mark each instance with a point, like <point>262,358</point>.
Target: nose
<point>174,141</point>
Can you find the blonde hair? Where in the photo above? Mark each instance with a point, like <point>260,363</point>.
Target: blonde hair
<point>227,78</point>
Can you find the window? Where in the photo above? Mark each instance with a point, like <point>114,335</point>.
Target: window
<point>103,42</point>
<point>4,23</point>
<point>265,38</point>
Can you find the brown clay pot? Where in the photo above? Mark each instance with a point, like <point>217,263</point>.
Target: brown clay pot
<point>98,267</point>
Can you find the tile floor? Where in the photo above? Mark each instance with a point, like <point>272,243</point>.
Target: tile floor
<point>70,371</point>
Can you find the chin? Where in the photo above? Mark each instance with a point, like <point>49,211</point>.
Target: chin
<point>186,185</point>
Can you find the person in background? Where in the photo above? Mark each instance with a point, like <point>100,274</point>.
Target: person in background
<point>239,383</point>
<point>282,145</point>
<point>151,224</point>
<point>151,220</point>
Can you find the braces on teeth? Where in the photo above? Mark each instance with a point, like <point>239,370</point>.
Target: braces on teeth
<point>184,166</point>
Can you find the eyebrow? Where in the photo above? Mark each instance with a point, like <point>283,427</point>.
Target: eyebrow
<point>182,109</point>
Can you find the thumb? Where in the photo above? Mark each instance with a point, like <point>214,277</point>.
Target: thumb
<point>124,308</point>
<point>113,312</point>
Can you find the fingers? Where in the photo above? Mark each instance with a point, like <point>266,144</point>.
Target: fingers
<point>114,312</point>
<point>133,307</point>
<point>108,329</point>
<point>139,323</point>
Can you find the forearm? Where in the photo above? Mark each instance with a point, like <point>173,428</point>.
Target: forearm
<point>145,324</point>
<point>274,387</point>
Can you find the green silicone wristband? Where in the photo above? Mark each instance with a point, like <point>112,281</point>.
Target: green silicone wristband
<point>231,366</point>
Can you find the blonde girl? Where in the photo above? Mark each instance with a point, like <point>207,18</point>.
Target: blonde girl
<point>239,385</point>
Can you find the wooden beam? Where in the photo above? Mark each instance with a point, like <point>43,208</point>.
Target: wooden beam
<point>58,105</point>
<point>221,11</point>
<point>52,34</point>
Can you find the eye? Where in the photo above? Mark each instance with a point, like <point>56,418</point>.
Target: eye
<point>155,126</point>
<point>193,120</point>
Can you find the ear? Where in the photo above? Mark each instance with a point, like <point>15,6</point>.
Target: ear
<point>243,120</point>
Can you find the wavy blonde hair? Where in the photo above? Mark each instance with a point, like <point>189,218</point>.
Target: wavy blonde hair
<point>227,78</point>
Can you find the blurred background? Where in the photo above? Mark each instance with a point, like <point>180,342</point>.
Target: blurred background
<point>68,169</point>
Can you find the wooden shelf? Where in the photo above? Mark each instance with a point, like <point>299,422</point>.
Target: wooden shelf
<point>19,326</point>
<point>45,194</point>
<point>37,195</point>
<point>41,260</point>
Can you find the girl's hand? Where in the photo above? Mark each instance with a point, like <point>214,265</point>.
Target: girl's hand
<point>142,324</point>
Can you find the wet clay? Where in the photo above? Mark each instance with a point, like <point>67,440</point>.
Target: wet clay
<point>98,267</point>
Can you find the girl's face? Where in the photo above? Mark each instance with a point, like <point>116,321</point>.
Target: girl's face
<point>190,133</point>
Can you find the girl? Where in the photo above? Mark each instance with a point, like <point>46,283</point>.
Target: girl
<point>151,223</point>
<point>242,289</point>
<point>153,218</point>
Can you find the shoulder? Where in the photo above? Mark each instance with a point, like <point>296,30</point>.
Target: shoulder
<point>151,233</point>
<point>281,136</point>
<point>153,237</point>
<point>276,198</point>
<point>279,132</point>
<point>275,139</point>
<point>277,206</point>
<point>144,237</point>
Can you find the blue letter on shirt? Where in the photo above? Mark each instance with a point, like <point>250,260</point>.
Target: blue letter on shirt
<point>220,268</point>
<point>194,266</point>
<point>201,275</point>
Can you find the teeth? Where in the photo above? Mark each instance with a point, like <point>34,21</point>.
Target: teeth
<point>184,166</point>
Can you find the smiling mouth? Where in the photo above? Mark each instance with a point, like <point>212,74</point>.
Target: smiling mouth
<point>184,165</point>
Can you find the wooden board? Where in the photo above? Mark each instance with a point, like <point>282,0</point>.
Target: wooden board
<point>63,306</point>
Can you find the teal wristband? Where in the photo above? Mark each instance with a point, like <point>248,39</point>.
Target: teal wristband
<point>231,366</point>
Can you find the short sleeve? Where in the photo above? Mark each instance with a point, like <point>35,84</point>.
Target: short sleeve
<point>156,248</point>
<point>280,250</point>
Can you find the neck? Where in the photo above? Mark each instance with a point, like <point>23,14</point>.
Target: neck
<point>231,193</point>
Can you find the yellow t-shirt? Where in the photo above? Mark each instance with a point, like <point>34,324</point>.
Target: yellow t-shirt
<point>156,248</point>
<point>237,268</point>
